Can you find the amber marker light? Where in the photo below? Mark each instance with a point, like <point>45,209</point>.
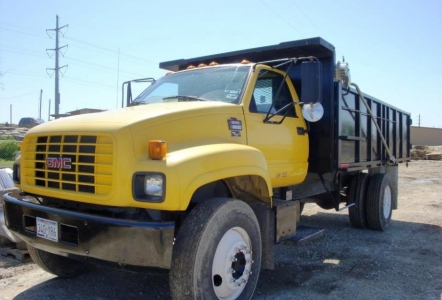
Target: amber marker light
<point>213,63</point>
<point>190,67</point>
<point>202,65</point>
<point>170,72</point>
<point>157,149</point>
<point>245,62</point>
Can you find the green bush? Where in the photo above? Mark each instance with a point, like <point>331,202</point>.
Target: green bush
<point>8,148</point>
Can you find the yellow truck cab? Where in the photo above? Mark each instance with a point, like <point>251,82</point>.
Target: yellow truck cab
<point>209,168</point>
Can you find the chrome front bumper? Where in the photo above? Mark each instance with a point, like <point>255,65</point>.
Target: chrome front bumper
<point>126,242</point>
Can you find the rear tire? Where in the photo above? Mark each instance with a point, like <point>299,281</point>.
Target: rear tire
<point>56,264</point>
<point>380,197</point>
<point>357,192</point>
<point>212,256</point>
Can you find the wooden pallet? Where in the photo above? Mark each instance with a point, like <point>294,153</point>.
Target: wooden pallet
<point>18,254</point>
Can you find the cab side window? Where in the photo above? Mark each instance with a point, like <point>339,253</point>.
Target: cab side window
<point>265,91</point>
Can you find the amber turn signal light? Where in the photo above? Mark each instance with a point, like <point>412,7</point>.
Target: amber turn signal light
<point>157,149</point>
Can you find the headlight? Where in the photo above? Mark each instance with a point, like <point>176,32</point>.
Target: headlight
<point>149,187</point>
<point>153,185</point>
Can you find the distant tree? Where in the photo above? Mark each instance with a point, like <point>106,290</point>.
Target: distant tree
<point>8,148</point>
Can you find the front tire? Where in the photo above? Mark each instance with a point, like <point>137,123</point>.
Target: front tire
<point>56,264</point>
<point>380,197</point>
<point>217,252</point>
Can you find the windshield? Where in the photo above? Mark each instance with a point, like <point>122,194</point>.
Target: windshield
<point>222,83</point>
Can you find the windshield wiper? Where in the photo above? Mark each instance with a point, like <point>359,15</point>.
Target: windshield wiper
<point>185,98</point>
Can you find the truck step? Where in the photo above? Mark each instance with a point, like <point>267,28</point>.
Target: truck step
<point>306,234</point>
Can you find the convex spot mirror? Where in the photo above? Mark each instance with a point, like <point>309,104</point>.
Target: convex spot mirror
<point>312,112</point>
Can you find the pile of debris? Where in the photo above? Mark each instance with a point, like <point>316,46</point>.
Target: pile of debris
<point>426,152</point>
<point>16,132</point>
<point>6,186</point>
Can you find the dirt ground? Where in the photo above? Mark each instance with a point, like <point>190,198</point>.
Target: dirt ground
<point>404,262</point>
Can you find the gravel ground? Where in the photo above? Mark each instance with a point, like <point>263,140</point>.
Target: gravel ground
<point>404,262</point>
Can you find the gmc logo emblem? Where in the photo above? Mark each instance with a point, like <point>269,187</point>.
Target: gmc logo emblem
<point>58,163</point>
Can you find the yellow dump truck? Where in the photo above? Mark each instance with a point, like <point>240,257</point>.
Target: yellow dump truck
<point>208,169</point>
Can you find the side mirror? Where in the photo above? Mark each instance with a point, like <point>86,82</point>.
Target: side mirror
<point>129,89</point>
<point>311,90</point>
<point>311,84</point>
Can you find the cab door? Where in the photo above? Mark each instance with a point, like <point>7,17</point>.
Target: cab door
<point>275,125</point>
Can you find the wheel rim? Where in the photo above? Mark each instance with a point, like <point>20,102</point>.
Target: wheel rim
<point>387,202</point>
<point>232,264</point>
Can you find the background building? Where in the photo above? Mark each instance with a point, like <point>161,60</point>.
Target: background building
<point>426,136</point>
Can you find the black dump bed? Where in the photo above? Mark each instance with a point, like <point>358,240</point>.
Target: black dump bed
<point>346,137</point>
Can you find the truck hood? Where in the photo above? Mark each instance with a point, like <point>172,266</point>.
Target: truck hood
<point>126,117</point>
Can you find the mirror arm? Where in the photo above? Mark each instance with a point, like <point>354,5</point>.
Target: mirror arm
<point>129,94</point>
<point>268,117</point>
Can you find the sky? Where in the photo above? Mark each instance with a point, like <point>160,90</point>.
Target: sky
<point>392,46</point>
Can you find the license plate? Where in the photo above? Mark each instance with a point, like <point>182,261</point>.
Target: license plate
<point>47,229</point>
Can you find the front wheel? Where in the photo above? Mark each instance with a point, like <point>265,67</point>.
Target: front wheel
<point>217,252</point>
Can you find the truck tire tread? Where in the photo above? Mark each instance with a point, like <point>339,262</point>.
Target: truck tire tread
<point>375,202</point>
<point>357,195</point>
<point>197,240</point>
<point>58,265</point>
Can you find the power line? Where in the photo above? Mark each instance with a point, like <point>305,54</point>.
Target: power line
<point>305,15</point>
<point>115,52</point>
<point>88,82</point>
<point>41,56</point>
<point>138,61</point>
<point>99,66</point>
<point>17,25</point>
<point>66,78</point>
<point>281,17</point>
<point>26,74</point>
<point>82,63</point>
<point>18,31</point>
<point>129,57</point>
<point>18,96</point>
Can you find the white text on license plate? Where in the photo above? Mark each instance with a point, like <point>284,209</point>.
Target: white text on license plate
<point>47,229</point>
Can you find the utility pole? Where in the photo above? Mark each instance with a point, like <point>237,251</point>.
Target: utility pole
<point>419,120</point>
<point>57,67</point>
<point>118,75</point>
<point>49,111</point>
<point>39,108</point>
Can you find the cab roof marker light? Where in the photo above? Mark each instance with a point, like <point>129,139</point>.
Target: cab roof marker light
<point>202,65</point>
<point>170,72</point>
<point>245,62</point>
<point>213,63</point>
<point>190,67</point>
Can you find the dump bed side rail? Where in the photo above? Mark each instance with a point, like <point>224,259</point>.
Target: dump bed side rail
<point>359,144</point>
